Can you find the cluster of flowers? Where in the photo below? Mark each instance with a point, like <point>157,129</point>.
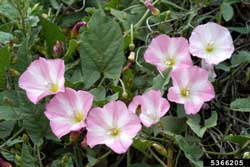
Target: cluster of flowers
<point>115,124</point>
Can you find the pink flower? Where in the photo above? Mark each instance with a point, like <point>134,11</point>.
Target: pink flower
<point>191,88</point>
<point>153,106</point>
<point>165,52</point>
<point>68,110</point>
<point>112,125</point>
<point>42,78</point>
<point>211,42</point>
<point>209,68</point>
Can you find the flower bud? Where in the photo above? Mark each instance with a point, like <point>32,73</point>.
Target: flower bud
<point>246,155</point>
<point>152,8</point>
<point>124,94</point>
<point>168,15</point>
<point>84,144</point>
<point>58,47</point>
<point>14,73</point>
<point>131,46</point>
<point>4,163</point>
<point>160,149</point>
<point>73,137</point>
<point>131,57</point>
<point>76,28</point>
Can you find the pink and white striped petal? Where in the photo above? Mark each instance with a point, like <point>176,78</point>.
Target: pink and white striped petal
<point>152,107</point>
<point>112,125</point>
<point>42,78</point>
<point>68,110</point>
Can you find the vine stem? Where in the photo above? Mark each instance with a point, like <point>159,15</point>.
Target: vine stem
<point>170,155</point>
<point>137,25</point>
<point>157,158</point>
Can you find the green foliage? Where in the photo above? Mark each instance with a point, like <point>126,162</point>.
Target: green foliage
<point>5,37</point>
<point>227,11</point>
<point>101,49</point>
<point>51,33</point>
<point>97,59</point>
<point>241,105</point>
<point>4,64</point>
<point>194,123</point>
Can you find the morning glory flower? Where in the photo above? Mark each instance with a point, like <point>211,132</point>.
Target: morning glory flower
<point>211,42</point>
<point>67,111</point>
<point>191,88</point>
<point>112,125</point>
<point>165,52</point>
<point>42,78</point>
<point>152,106</point>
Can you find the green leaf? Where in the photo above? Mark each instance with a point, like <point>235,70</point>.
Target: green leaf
<point>192,150</point>
<point>51,33</point>
<point>6,128</point>
<point>7,10</point>
<point>38,128</point>
<point>101,49</point>
<point>8,113</point>
<point>242,105</point>
<point>23,56</point>
<point>242,30</point>
<point>27,159</point>
<point>161,81</point>
<point>240,57</point>
<point>227,11</point>
<point>4,64</point>
<point>54,4</point>
<point>99,93</point>
<point>5,37</point>
<point>169,123</point>
<point>239,139</point>
<point>194,123</point>
<point>142,144</point>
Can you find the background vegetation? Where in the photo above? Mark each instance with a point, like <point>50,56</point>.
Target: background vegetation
<point>97,58</point>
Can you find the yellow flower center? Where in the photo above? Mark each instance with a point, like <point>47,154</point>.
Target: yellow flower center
<point>54,88</point>
<point>210,48</point>
<point>78,116</point>
<point>169,62</point>
<point>185,92</point>
<point>115,132</point>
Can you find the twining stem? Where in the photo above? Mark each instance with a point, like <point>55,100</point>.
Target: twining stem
<point>128,158</point>
<point>138,24</point>
<point>157,158</point>
<point>170,155</point>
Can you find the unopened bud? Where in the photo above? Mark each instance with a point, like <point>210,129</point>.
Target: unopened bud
<point>131,46</point>
<point>14,73</point>
<point>84,144</point>
<point>18,158</point>
<point>152,8</point>
<point>246,155</point>
<point>160,149</point>
<point>131,57</point>
<point>73,137</point>
<point>168,15</point>
<point>58,47</point>
<point>45,16</point>
<point>25,138</point>
<point>76,28</point>
<point>4,163</point>
<point>124,94</point>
